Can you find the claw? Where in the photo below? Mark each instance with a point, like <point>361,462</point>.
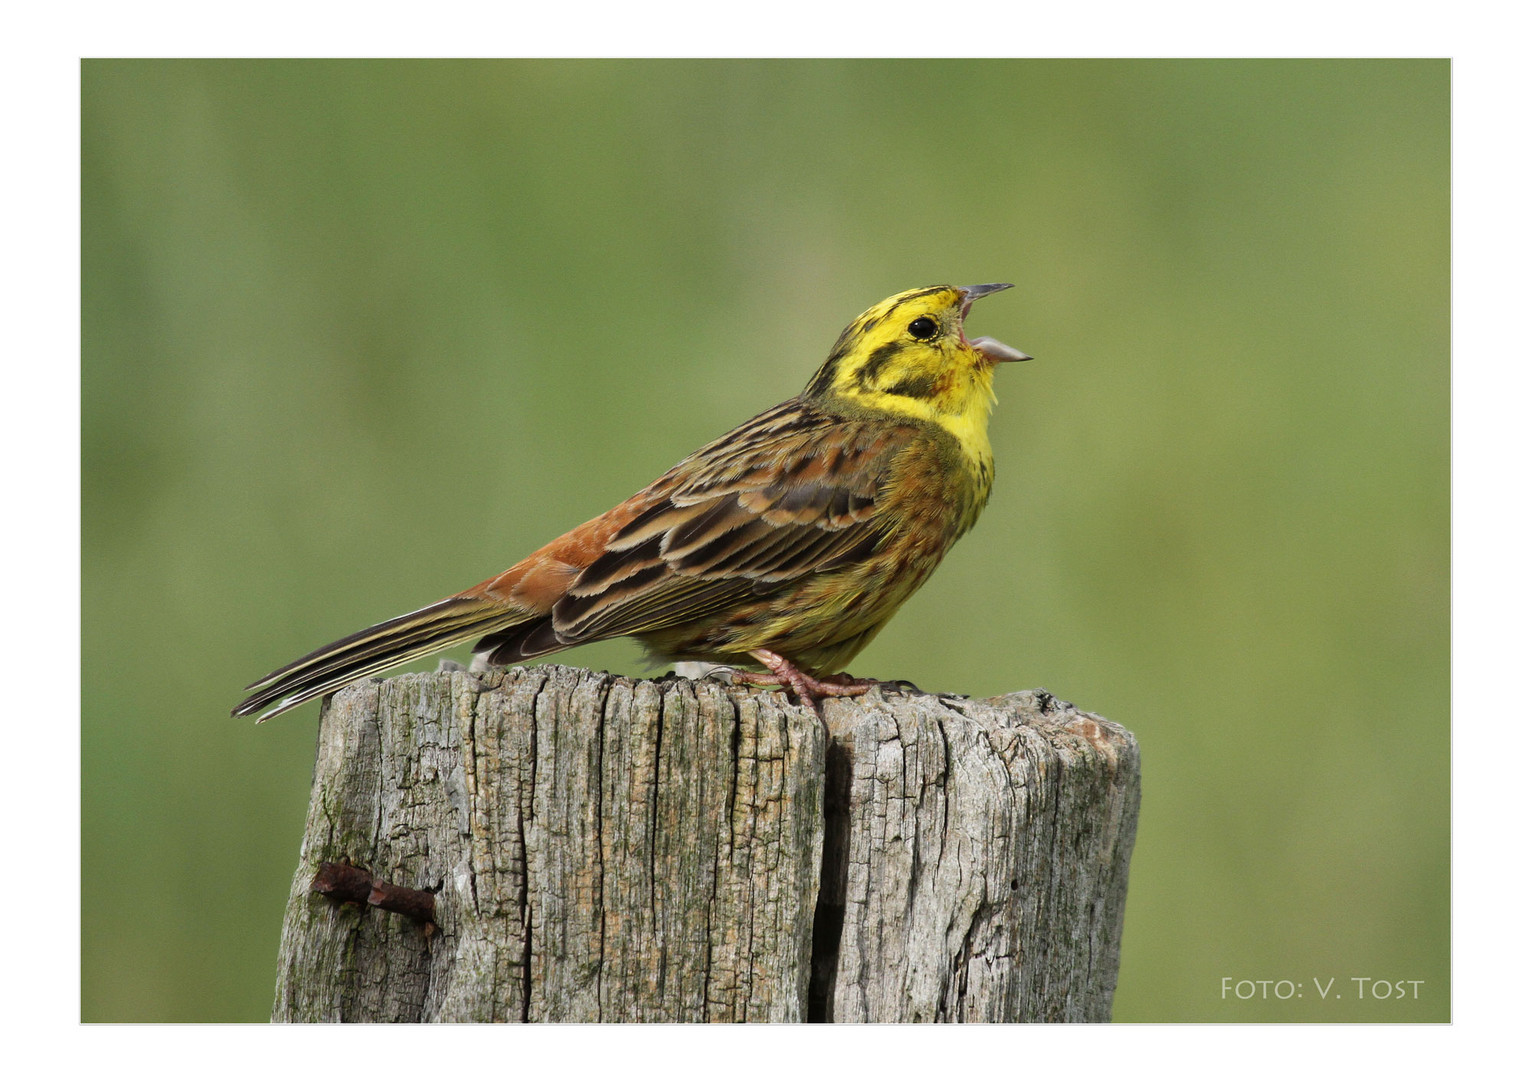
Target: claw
<point>782,672</point>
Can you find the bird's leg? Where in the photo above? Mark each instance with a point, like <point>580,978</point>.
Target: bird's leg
<point>782,672</point>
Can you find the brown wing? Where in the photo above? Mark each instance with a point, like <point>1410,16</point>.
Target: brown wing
<point>793,492</point>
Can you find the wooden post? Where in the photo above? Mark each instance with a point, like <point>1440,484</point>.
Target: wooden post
<point>554,844</point>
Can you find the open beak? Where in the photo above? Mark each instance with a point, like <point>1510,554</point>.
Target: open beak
<point>997,352</point>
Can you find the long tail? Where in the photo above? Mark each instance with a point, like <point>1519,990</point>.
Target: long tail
<point>378,648</point>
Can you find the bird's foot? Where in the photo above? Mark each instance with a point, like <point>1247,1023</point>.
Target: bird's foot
<point>697,670</point>
<point>861,686</point>
<point>782,672</point>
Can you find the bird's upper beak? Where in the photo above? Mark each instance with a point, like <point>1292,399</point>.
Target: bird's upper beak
<point>997,352</point>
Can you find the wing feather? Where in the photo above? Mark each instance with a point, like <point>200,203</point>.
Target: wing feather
<point>794,492</point>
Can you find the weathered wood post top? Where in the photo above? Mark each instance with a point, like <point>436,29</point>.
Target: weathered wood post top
<point>552,844</point>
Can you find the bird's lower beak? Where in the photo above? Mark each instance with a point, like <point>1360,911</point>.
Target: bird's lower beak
<point>997,352</point>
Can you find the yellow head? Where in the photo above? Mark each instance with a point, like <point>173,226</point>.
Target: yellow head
<point>909,356</point>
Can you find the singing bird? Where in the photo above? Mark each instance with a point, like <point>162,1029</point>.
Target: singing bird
<point>786,544</point>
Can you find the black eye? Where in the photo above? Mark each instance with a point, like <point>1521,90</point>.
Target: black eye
<point>923,328</point>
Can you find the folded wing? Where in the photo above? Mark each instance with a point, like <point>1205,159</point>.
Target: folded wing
<point>794,492</point>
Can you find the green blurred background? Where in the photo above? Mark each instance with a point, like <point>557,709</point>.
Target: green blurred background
<point>358,334</point>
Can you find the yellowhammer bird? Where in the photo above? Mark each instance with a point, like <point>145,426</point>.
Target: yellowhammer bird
<point>789,542</point>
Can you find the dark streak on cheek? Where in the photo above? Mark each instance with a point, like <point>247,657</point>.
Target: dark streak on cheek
<point>880,356</point>
<point>915,386</point>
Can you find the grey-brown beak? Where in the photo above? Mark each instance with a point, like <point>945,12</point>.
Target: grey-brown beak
<point>996,351</point>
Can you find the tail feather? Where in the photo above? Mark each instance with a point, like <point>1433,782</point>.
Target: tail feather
<point>521,641</point>
<point>378,648</point>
